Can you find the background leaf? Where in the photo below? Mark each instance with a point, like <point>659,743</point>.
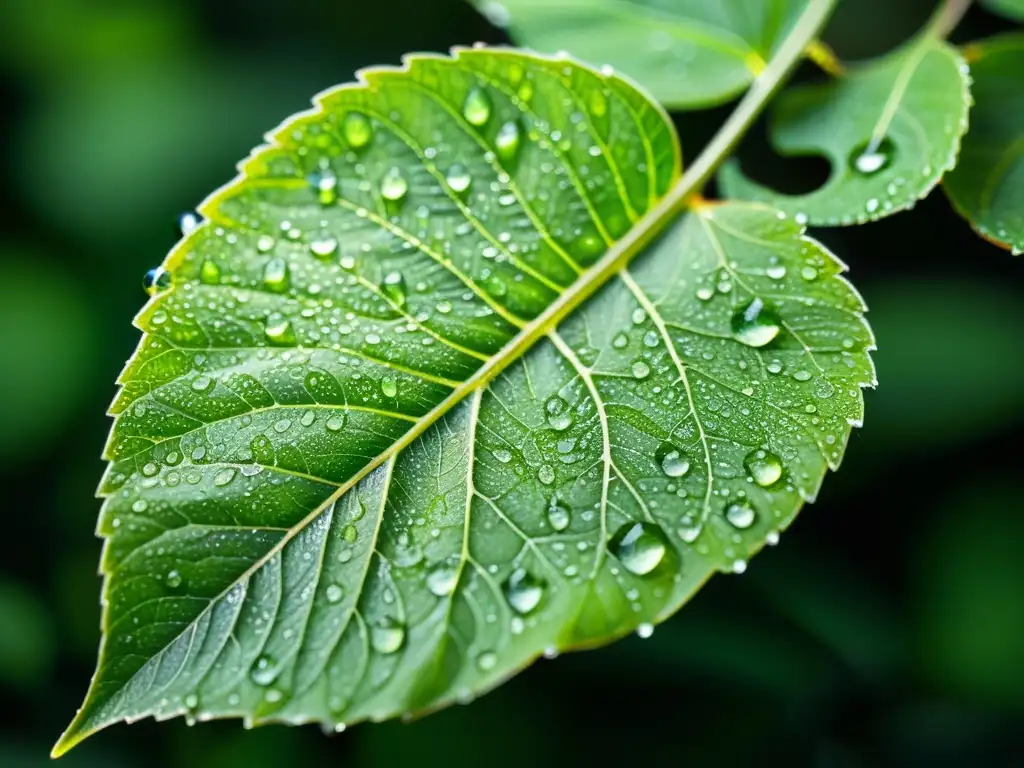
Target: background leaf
<point>890,129</point>
<point>314,511</point>
<point>987,186</point>
<point>688,53</point>
<point>1011,9</point>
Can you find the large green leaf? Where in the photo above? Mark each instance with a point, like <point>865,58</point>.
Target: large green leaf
<point>987,186</point>
<point>1011,9</point>
<point>688,53</point>
<point>344,484</point>
<point>890,129</point>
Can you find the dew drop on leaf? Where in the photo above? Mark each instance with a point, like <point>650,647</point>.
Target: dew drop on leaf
<point>523,591</point>
<point>870,158</point>
<point>394,288</point>
<point>209,273</point>
<point>224,477</point>
<point>559,515</point>
<point>263,671</point>
<point>764,466</point>
<point>487,660</point>
<point>334,593</point>
<point>755,325</point>
<point>336,422</point>
<point>323,247</point>
<point>559,416</point>
<point>458,178</point>
<point>275,275</point>
<point>157,280</point>
<point>357,129</point>
<point>278,329</point>
<point>393,186</point>
<point>477,107</point>
<point>672,460</point>
<point>507,140</point>
<point>441,580</point>
<point>173,579</point>
<point>640,547</point>
<point>640,369</point>
<point>387,635</point>
<point>740,514</point>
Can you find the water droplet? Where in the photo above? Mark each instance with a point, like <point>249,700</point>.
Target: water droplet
<point>764,466</point>
<point>640,369</point>
<point>523,590</point>
<point>740,514</point>
<point>477,107</point>
<point>507,140</point>
<point>325,185</point>
<point>640,547</point>
<point>672,460</point>
<point>441,580</point>
<point>394,288</point>
<point>598,103</point>
<point>173,579</point>
<point>559,515</point>
<point>389,386</point>
<point>502,455</point>
<point>334,593</point>
<point>275,275</point>
<point>264,671</point>
<point>620,341</point>
<point>224,477</point>
<point>755,325</point>
<point>323,247</point>
<point>546,474</point>
<point>809,273</point>
<point>209,273</point>
<point>202,383</point>
<point>458,178</point>
<point>278,329</point>
<point>870,158</point>
<point>336,422</point>
<point>265,243</point>
<point>645,630</point>
<point>357,129</point>
<point>387,635</point>
<point>393,186</point>
<point>157,280</point>
<point>487,660</point>
<point>191,701</point>
<point>705,293</point>
<point>776,271</point>
<point>559,415</point>
<point>188,222</point>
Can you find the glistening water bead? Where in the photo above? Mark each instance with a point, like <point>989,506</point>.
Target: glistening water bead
<point>872,157</point>
<point>640,547</point>
<point>157,280</point>
<point>477,107</point>
<point>755,325</point>
<point>523,591</point>
<point>764,466</point>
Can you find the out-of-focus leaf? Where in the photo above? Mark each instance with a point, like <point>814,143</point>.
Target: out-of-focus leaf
<point>362,467</point>
<point>688,53</point>
<point>26,637</point>
<point>987,185</point>
<point>968,594</point>
<point>42,309</point>
<point>1011,9</point>
<point>890,128</point>
<point>932,398</point>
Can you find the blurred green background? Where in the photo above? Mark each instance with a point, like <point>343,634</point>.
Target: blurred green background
<point>887,628</point>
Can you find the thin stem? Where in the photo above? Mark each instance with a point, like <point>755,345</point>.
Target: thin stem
<point>946,17</point>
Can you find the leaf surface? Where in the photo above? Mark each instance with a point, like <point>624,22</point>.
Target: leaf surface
<point>687,53</point>
<point>1011,9</point>
<point>987,186</point>
<point>343,485</point>
<point>890,128</point>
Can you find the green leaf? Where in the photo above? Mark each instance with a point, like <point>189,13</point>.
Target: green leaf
<point>688,53</point>
<point>1011,9</point>
<point>346,484</point>
<point>890,129</point>
<point>987,186</point>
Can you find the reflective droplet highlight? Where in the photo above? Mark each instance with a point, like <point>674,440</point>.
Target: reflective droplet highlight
<point>387,635</point>
<point>558,414</point>
<point>507,140</point>
<point>764,466</point>
<point>523,591</point>
<point>559,514</point>
<point>672,460</point>
<point>441,580</point>
<point>357,129</point>
<point>755,325</point>
<point>458,178</point>
<point>870,158</point>
<point>394,288</point>
<point>477,107</point>
<point>278,329</point>
<point>275,275</point>
<point>740,515</point>
<point>157,280</point>
<point>640,547</point>
<point>393,186</point>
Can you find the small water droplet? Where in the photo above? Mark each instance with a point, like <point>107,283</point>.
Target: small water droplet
<point>275,275</point>
<point>265,243</point>
<point>157,280</point>
<point>502,455</point>
<point>640,547</point>
<point>672,460</point>
<point>336,422</point>
<point>559,515</point>
<point>507,140</point>
<point>188,222</point>
<point>870,158</point>
<point>202,383</point>
<point>394,288</point>
<point>523,591</point>
<point>224,477</point>
<point>620,341</point>
<point>393,186</point>
<point>209,273</point>
<point>278,329</point>
<point>645,630</point>
<point>389,386</point>
<point>325,186</point>
<point>764,466</point>
<point>559,416</point>
<point>640,369</point>
<point>357,129</point>
<point>173,579</point>
<point>546,474</point>
<point>334,593</point>
<point>755,325</point>
<point>442,579</point>
<point>191,701</point>
<point>387,635</point>
<point>458,178</point>
<point>264,671</point>
<point>487,660</point>
<point>477,107</point>
<point>776,271</point>
<point>323,247</point>
<point>740,514</point>
<point>705,293</point>
<point>809,273</point>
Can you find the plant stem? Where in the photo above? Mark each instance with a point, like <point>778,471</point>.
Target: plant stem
<point>946,17</point>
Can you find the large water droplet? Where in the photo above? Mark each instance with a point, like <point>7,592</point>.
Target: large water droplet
<point>394,287</point>
<point>224,477</point>
<point>672,460</point>
<point>640,547</point>
<point>872,157</point>
<point>357,129</point>
<point>334,593</point>
<point>209,273</point>
<point>641,370</point>
<point>325,186</point>
<point>477,107</point>
<point>764,466</point>
<point>389,386</point>
<point>275,275</point>
<point>264,671</point>
<point>559,415</point>
<point>458,178</point>
<point>393,186</point>
<point>387,635</point>
<point>157,280</point>
<point>278,329</point>
<point>487,660</point>
<point>173,579</point>
<point>740,514</point>
<point>523,590</point>
<point>507,140</point>
<point>442,579</point>
<point>323,247</point>
<point>188,222</point>
<point>559,515</point>
<point>755,325</point>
